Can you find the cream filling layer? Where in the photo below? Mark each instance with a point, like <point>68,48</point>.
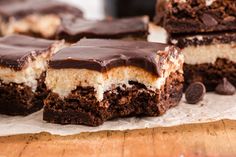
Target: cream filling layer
<point>209,53</point>
<point>42,24</point>
<point>63,81</point>
<point>33,71</point>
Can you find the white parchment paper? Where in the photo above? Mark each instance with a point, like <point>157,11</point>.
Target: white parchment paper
<point>213,107</point>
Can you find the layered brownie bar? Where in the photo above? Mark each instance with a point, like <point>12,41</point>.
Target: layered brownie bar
<point>96,80</point>
<point>23,62</point>
<point>208,57</point>
<point>39,18</point>
<point>74,29</point>
<point>182,16</point>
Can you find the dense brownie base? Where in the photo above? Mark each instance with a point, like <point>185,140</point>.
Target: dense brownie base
<point>18,99</point>
<point>210,74</point>
<point>195,16</point>
<point>81,106</point>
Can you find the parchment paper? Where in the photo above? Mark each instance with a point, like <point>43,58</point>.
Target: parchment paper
<point>213,107</point>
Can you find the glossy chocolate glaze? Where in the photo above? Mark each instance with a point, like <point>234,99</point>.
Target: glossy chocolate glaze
<point>16,50</point>
<point>103,55</point>
<point>73,29</point>
<point>22,8</point>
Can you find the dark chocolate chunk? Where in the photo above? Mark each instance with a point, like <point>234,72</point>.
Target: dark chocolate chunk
<point>195,93</point>
<point>208,20</point>
<point>225,88</point>
<point>102,55</point>
<point>16,50</point>
<point>73,29</point>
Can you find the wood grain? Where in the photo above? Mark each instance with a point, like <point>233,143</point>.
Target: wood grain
<point>195,140</point>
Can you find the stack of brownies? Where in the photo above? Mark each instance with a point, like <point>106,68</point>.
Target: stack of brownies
<point>83,81</point>
<point>205,30</point>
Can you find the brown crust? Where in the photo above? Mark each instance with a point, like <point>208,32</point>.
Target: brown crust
<point>210,74</point>
<point>18,99</point>
<point>81,106</point>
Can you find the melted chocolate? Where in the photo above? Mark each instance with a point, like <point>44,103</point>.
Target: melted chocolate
<point>102,55</point>
<point>16,50</point>
<point>22,8</point>
<point>73,29</point>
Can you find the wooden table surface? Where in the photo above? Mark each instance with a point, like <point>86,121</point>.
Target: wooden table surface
<point>207,140</point>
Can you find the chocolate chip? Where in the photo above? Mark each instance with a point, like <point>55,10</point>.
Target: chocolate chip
<point>195,93</point>
<point>225,88</point>
<point>208,20</point>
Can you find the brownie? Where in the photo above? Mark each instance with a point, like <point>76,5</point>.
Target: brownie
<point>18,99</point>
<point>210,74</point>
<point>23,62</point>
<point>209,57</point>
<point>39,18</point>
<point>130,101</point>
<point>96,80</point>
<point>194,16</point>
<point>74,29</point>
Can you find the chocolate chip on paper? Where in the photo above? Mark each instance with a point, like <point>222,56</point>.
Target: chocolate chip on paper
<point>225,88</point>
<point>195,93</point>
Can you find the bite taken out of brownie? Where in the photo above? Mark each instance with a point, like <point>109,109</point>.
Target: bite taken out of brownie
<point>96,80</point>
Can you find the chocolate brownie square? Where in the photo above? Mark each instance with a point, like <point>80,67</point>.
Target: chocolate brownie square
<point>209,57</point>
<point>96,80</point>
<point>23,62</point>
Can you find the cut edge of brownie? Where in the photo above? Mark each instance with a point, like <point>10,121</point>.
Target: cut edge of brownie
<point>82,107</point>
<point>210,74</point>
<point>18,99</point>
<point>25,96</point>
